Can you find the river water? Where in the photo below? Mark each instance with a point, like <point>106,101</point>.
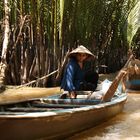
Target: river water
<point>124,126</point>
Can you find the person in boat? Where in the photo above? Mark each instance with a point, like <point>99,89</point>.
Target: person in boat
<point>75,77</point>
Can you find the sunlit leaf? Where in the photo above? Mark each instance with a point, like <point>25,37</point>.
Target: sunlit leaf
<point>133,22</point>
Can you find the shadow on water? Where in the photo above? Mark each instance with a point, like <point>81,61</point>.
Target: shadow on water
<point>125,126</point>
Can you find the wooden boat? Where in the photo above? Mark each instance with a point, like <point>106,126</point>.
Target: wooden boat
<point>55,118</point>
<point>35,117</point>
<point>133,84</point>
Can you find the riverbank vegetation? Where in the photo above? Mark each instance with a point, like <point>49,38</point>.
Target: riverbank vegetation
<point>35,35</point>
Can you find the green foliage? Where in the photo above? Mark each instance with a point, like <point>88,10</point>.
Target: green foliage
<point>53,27</point>
<point>133,22</point>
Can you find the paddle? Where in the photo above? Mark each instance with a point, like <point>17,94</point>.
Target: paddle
<point>110,92</point>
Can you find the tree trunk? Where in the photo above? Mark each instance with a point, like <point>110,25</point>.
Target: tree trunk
<point>5,43</point>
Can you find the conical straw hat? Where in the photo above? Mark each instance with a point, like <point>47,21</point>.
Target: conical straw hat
<point>81,49</point>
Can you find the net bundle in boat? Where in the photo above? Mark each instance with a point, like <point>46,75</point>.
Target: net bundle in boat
<point>134,70</point>
<point>133,81</point>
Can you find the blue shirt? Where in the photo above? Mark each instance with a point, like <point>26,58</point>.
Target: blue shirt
<point>73,76</point>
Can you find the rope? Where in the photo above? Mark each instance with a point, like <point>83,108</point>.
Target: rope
<point>59,70</point>
<point>34,81</point>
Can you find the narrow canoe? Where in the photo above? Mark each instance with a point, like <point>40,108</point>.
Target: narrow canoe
<point>55,118</point>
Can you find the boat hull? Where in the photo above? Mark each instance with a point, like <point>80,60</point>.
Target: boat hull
<point>59,124</point>
<point>133,84</point>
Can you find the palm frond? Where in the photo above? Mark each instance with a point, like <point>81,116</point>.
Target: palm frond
<point>133,22</point>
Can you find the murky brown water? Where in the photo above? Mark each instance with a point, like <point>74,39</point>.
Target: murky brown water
<point>125,126</point>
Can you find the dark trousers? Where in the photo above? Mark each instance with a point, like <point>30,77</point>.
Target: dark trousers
<point>90,81</point>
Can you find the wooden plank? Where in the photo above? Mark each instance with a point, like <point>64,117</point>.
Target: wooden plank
<point>14,95</point>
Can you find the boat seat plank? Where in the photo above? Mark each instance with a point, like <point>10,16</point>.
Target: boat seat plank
<point>30,109</point>
<point>72,101</point>
<point>45,105</point>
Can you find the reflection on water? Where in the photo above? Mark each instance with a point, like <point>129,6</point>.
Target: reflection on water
<point>125,126</point>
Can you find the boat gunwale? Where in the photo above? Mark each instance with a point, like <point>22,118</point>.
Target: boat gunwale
<point>19,115</point>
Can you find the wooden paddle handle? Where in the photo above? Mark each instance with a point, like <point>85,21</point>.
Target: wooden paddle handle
<point>111,91</point>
